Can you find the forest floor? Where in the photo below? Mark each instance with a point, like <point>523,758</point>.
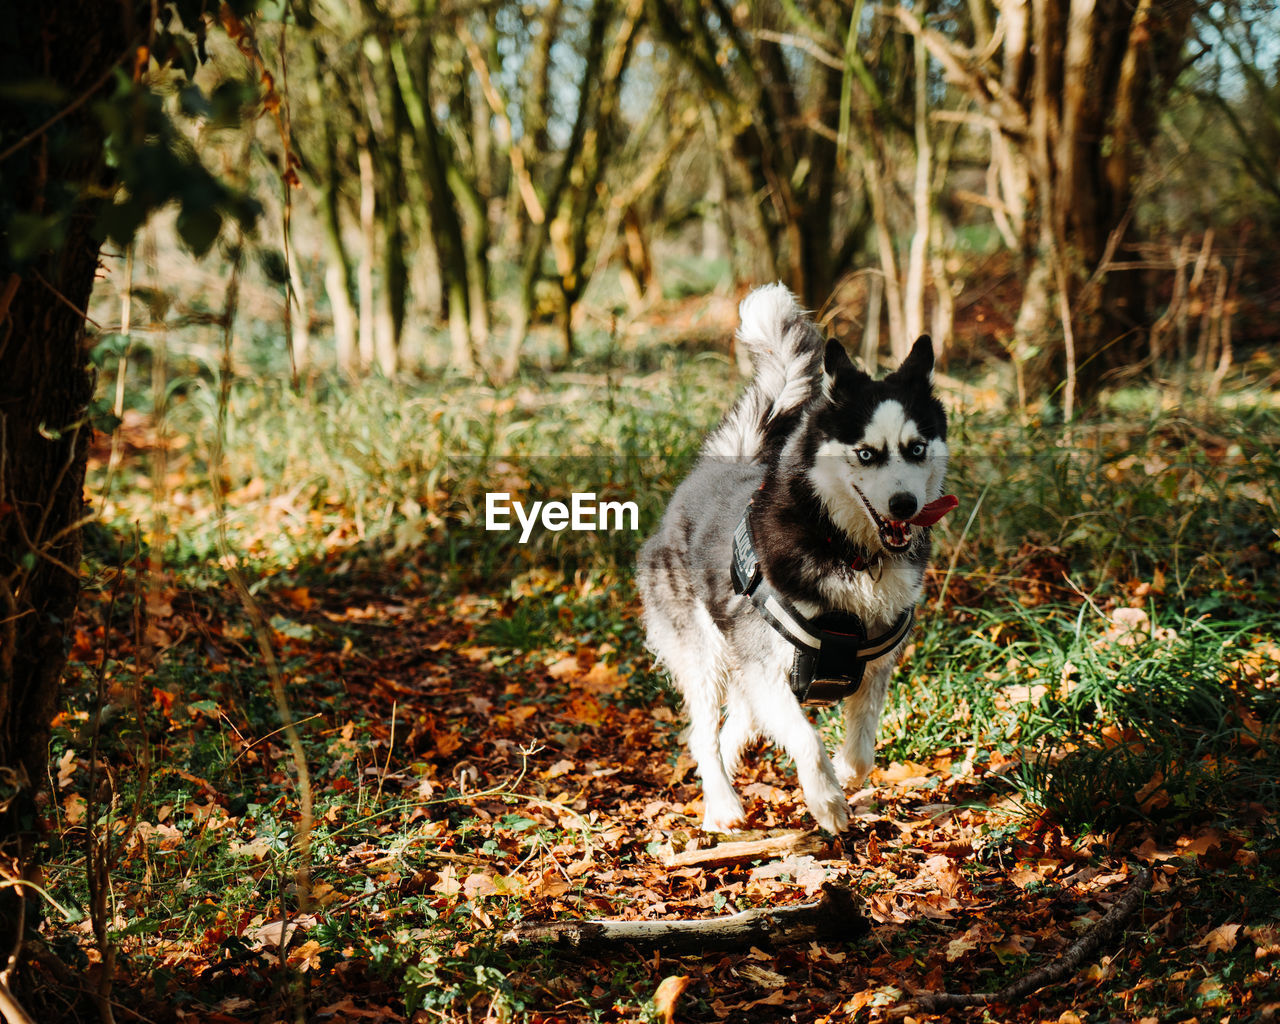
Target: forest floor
<point>1087,715</point>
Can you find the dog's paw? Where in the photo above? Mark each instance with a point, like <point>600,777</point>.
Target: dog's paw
<point>850,775</point>
<point>831,811</point>
<point>723,819</point>
<point>853,767</point>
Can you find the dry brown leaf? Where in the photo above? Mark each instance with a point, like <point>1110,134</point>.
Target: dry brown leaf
<point>667,993</point>
<point>306,956</point>
<point>899,773</point>
<point>1201,844</point>
<point>602,678</point>
<point>66,767</point>
<point>1221,939</point>
<point>565,668</point>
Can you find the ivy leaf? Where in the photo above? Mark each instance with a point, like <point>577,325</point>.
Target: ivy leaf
<point>199,228</point>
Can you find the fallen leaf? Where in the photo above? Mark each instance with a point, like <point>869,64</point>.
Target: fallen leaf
<point>668,991</point>
<point>602,679</point>
<point>347,1010</point>
<point>1014,945</point>
<point>1221,939</point>
<point>957,948</point>
<point>270,933</point>
<point>1267,938</point>
<point>299,597</point>
<point>947,874</point>
<point>66,768</point>
<point>561,767</point>
<point>478,884</point>
<point>565,668</point>
<point>448,884</point>
<point>306,956</point>
<point>74,807</point>
<point>899,773</point>
<point>1201,844</point>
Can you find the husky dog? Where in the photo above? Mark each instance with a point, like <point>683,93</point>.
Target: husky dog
<point>787,567</point>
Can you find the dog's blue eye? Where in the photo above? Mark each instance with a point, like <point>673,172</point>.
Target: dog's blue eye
<point>917,450</point>
<point>866,455</point>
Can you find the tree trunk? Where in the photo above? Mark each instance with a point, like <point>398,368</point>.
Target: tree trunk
<point>45,388</point>
<point>1100,75</point>
<point>368,255</point>
<point>435,163</point>
<point>922,201</point>
<point>337,278</point>
<point>326,181</point>
<point>540,234</point>
<point>395,213</point>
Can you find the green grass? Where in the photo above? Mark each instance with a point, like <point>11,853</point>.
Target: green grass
<point>393,468</point>
<point>1105,728</point>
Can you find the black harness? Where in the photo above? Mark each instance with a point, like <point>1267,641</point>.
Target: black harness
<point>832,649</point>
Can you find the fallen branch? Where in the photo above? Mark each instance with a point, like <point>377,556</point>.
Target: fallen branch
<point>1065,966</point>
<point>834,918</point>
<point>793,844</point>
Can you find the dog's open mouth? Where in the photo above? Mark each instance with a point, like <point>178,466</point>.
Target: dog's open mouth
<point>895,534</point>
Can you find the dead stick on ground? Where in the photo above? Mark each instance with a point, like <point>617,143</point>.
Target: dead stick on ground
<point>794,844</point>
<point>835,917</point>
<point>1065,966</point>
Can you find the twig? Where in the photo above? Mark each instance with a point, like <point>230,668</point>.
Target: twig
<point>391,745</point>
<point>791,845</point>
<point>11,1009</point>
<point>39,130</point>
<point>98,855</point>
<point>253,610</point>
<point>1052,973</point>
<point>802,43</point>
<point>955,554</point>
<point>81,313</point>
<point>250,744</point>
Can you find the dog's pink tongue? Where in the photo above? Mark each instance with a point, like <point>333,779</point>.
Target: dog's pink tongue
<point>934,511</point>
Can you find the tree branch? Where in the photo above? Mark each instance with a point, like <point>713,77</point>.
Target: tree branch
<point>794,844</point>
<point>1051,973</point>
<point>835,917</point>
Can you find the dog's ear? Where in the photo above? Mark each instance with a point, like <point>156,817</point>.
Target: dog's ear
<point>919,361</point>
<point>838,370</point>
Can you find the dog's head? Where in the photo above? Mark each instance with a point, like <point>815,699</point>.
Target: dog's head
<point>879,448</point>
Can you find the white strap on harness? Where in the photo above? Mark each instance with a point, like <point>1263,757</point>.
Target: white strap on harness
<point>806,635</point>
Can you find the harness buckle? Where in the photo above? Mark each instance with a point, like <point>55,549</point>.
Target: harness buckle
<point>835,670</point>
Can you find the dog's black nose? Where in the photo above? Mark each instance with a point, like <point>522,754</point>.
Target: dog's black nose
<point>902,506</point>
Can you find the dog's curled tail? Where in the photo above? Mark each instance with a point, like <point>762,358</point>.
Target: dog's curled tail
<point>786,354</point>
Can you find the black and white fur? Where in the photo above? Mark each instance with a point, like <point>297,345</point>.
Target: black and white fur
<point>836,462</point>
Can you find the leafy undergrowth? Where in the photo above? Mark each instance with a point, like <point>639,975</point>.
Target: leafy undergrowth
<point>463,785</point>
<point>488,743</point>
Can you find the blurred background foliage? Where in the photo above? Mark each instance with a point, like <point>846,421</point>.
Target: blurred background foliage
<point>1066,200</point>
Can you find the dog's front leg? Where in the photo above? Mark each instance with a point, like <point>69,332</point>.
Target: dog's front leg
<point>857,754</point>
<point>784,721</point>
